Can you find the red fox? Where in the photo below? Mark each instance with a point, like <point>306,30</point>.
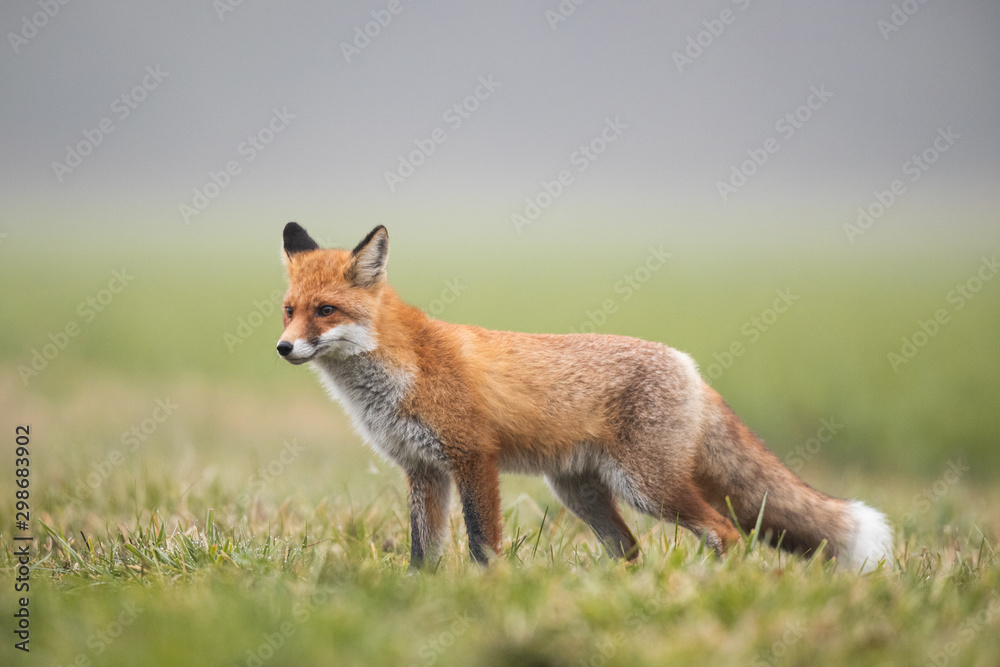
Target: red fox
<point>601,417</point>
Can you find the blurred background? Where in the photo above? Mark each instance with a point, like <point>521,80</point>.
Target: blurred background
<point>803,197</point>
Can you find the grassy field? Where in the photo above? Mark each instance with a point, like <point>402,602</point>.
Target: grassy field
<point>197,502</point>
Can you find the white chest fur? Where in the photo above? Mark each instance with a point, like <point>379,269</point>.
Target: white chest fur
<point>372,395</point>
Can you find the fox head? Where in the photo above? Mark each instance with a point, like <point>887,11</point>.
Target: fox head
<point>332,297</point>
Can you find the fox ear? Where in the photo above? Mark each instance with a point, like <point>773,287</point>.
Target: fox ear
<point>369,258</point>
<point>297,240</point>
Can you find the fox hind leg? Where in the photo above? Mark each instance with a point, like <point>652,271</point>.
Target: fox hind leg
<point>589,498</point>
<point>682,502</point>
<point>693,512</point>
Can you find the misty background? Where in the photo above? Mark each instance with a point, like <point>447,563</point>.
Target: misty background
<point>695,86</point>
<point>791,193</point>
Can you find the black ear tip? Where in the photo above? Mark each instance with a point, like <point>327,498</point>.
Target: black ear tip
<point>297,239</point>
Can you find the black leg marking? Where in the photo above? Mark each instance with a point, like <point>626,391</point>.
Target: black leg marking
<point>474,527</point>
<point>430,495</point>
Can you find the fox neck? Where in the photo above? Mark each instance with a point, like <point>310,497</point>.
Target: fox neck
<point>373,386</point>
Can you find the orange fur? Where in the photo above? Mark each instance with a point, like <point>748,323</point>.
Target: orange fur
<point>602,417</point>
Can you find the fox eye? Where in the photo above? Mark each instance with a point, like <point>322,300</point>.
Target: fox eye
<point>288,311</point>
<point>324,311</point>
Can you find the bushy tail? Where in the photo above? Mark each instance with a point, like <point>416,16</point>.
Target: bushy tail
<point>735,463</point>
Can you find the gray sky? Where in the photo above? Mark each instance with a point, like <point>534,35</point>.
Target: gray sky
<point>886,93</point>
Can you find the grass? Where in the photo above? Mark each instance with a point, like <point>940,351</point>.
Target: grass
<point>250,526</point>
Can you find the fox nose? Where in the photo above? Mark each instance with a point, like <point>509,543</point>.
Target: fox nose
<point>284,348</point>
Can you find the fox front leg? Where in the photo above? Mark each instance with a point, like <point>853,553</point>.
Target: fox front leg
<point>478,481</point>
<point>430,494</point>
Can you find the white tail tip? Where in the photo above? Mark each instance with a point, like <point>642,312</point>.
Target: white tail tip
<point>869,538</point>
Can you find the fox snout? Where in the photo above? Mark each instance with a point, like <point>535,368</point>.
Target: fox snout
<point>297,352</point>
